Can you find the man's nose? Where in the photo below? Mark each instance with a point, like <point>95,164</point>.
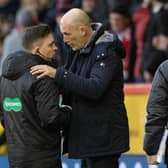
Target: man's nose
<point>55,48</point>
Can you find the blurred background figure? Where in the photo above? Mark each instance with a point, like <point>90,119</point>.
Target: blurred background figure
<point>121,23</point>
<point>47,12</point>
<point>94,9</point>
<point>161,42</point>
<point>152,57</point>
<point>118,3</point>
<point>140,19</point>
<point>13,41</point>
<point>6,22</point>
<point>61,8</point>
<point>89,6</point>
<point>44,10</point>
<point>9,7</point>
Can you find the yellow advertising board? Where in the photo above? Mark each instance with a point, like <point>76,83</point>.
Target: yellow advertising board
<point>2,147</point>
<point>135,99</point>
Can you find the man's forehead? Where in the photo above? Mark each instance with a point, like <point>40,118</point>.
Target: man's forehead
<point>48,38</point>
<point>64,26</point>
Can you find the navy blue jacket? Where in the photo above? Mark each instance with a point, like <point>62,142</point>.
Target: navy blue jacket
<point>94,80</point>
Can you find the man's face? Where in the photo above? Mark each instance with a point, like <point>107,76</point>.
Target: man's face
<point>118,22</point>
<point>72,35</point>
<point>47,48</point>
<point>89,6</point>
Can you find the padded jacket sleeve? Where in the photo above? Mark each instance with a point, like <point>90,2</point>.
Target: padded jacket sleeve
<point>157,109</point>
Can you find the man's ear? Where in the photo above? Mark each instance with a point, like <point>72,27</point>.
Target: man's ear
<point>83,30</point>
<point>35,50</point>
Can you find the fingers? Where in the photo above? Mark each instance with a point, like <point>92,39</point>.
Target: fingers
<point>38,67</point>
<point>43,70</point>
<point>40,70</point>
<point>66,155</point>
<point>152,159</point>
<point>41,75</point>
<point>36,72</point>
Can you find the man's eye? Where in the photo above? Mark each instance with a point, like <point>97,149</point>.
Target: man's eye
<point>51,44</point>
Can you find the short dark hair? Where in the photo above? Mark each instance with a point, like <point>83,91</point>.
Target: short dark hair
<point>34,33</point>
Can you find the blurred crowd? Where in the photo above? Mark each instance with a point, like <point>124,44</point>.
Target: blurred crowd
<point>141,25</point>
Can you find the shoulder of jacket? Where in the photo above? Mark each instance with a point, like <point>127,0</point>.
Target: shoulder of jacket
<point>163,70</point>
<point>164,66</point>
<point>106,37</point>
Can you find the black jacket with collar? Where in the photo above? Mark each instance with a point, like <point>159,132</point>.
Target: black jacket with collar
<point>93,80</point>
<point>30,110</point>
<point>157,109</point>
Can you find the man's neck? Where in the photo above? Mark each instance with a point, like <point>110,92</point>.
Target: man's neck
<point>89,37</point>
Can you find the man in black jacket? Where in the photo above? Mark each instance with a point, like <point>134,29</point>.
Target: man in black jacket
<point>30,107</point>
<point>154,103</point>
<point>157,118</point>
<point>152,57</point>
<point>93,81</point>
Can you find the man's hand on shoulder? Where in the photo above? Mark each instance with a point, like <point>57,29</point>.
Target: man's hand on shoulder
<point>43,70</point>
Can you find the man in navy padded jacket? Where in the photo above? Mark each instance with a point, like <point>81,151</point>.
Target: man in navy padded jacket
<point>92,82</point>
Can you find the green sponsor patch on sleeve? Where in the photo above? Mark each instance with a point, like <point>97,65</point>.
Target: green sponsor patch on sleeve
<point>12,104</point>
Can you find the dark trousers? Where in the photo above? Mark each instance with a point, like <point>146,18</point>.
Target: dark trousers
<point>102,162</point>
<point>43,163</point>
